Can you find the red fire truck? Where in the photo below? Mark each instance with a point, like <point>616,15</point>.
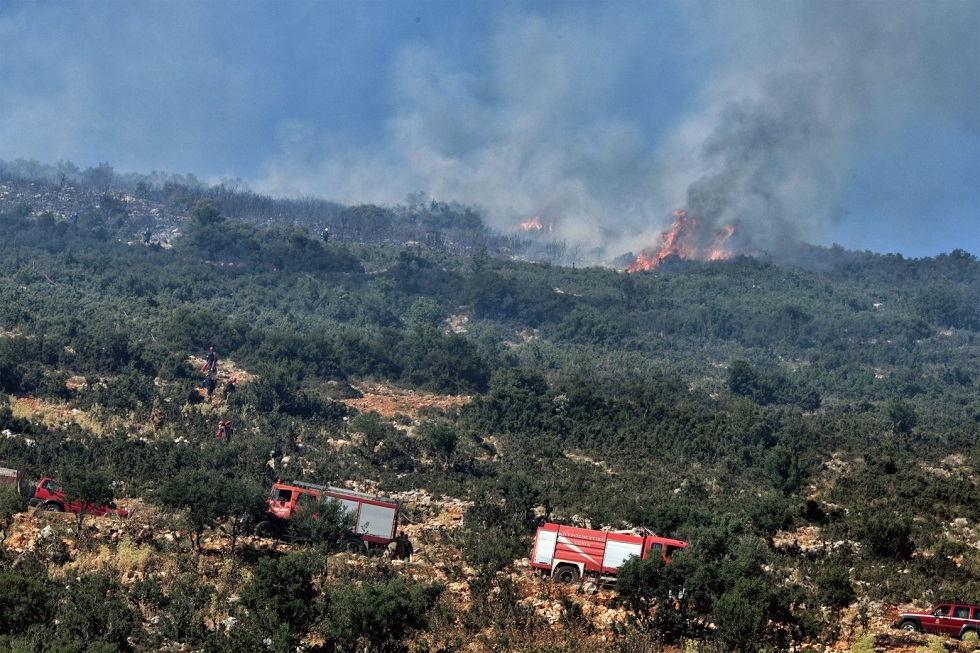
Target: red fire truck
<point>375,518</point>
<point>568,553</point>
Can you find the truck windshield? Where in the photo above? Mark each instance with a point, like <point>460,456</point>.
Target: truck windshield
<point>282,495</point>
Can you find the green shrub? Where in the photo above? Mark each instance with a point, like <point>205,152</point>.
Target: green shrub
<point>379,617</point>
<point>863,643</point>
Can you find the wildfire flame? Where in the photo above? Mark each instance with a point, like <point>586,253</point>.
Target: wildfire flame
<point>676,241</point>
<point>534,224</point>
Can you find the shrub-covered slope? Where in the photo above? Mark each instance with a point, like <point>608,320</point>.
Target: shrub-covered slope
<point>735,404</point>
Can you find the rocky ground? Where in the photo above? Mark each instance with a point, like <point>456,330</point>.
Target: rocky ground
<point>125,543</point>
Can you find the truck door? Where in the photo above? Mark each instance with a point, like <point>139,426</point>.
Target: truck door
<point>655,549</point>
<point>958,619</point>
<point>282,502</point>
<point>544,547</point>
<point>938,621</point>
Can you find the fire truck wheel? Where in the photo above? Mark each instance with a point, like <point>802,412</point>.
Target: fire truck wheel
<point>53,507</point>
<point>266,529</point>
<point>355,545</point>
<point>567,574</point>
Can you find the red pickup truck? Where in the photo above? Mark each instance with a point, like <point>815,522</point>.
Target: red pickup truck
<point>956,619</point>
<point>50,495</point>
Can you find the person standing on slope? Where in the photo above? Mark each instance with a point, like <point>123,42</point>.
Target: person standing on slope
<point>211,364</point>
<point>209,384</point>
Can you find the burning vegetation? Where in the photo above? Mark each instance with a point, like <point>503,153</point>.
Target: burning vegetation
<point>535,224</point>
<point>682,240</point>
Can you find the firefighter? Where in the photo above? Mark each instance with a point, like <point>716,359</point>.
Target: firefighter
<point>211,364</point>
<point>228,430</point>
<point>209,384</point>
<point>220,433</point>
<point>230,386</point>
<point>146,236</point>
<point>403,547</point>
<point>326,234</point>
<point>156,418</point>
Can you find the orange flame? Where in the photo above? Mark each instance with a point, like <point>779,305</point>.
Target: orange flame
<point>716,250</point>
<point>676,241</point>
<point>534,224</point>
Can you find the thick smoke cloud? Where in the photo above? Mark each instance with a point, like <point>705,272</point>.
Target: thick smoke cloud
<point>781,131</point>
<point>799,93</point>
<point>794,119</point>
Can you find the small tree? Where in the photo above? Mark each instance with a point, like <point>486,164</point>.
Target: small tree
<point>769,514</point>
<point>836,592</point>
<point>659,594</point>
<point>210,500</point>
<point>26,601</point>
<point>440,442</point>
<point>783,469</point>
<point>88,487</point>
<point>281,593</point>
<point>322,523</point>
<point>902,416</point>
<point>373,427</point>
<point>205,214</point>
<point>638,581</point>
<point>377,617</point>
<point>11,503</point>
<point>887,535</point>
<point>95,615</point>
<point>741,616</point>
<point>100,178</point>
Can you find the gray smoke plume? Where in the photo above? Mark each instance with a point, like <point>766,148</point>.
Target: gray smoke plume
<point>798,94</point>
<point>781,132</point>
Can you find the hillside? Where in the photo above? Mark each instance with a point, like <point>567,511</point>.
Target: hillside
<point>809,429</point>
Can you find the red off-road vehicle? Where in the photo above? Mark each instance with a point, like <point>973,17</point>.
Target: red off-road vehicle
<point>956,619</point>
<point>50,495</point>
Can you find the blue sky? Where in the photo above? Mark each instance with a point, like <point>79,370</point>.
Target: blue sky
<point>853,122</point>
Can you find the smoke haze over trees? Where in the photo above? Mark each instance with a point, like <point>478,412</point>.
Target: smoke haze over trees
<point>824,122</point>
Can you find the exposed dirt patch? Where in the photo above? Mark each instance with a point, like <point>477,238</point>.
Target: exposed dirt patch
<point>389,401</point>
<point>227,369</point>
<point>54,415</point>
<point>227,372</point>
<point>601,464</point>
